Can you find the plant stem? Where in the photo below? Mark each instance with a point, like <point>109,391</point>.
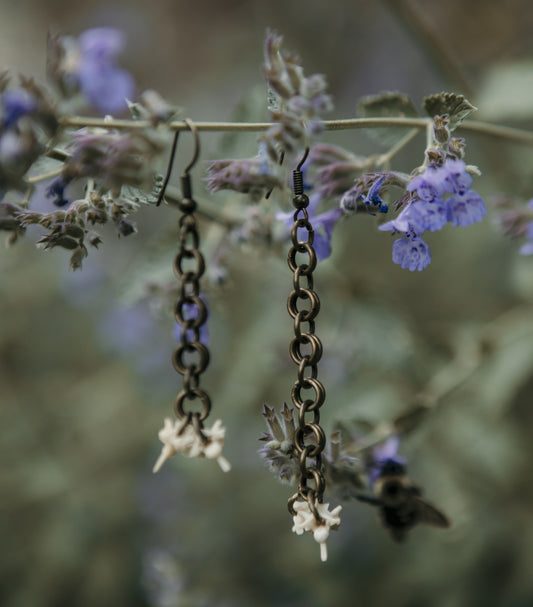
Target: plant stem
<point>44,176</point>
<point>384,159</point>
<point>484,128</point>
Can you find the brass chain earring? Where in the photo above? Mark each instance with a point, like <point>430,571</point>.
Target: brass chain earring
<point>306,505</point>
<point>187,434</point>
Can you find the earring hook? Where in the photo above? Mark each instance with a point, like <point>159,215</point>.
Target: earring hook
<point>304,158</point>
<point>298,182</point>
<point>169,168</point>
<point>192,127</point>
<point>194,131</point>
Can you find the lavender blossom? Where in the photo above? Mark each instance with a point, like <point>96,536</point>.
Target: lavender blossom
<point>16,103</point>
<point>456,178</point>
<point>113,158</point>
<point>428,186</point>
<point>336,169</point>
<point>279,452</point>
<point>431,217</point>
<point>27,121</point>
<point>323,225</point>
<point>372,198</point>
<point>466,206</point>
<point>297,102</point>
<point>411,254</point>
<point>88,65</point>
<point>104,84</point>
<point>429,210</point>
<point>251,176</point>
<point>466,209</point>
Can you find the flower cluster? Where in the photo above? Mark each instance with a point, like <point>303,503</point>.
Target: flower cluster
<point>73,228</point>
<point>335,169</point>
<point>27,124</point>
<point>114,159</point>
<point>116,164</point>
<point>279,453</point>
<point>87,65</point>
<point>515,220</point>
<point>251,176</point>
<point>296,103</point>
<point>439,195</point>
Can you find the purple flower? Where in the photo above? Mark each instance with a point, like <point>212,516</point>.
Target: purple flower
<point>410,222</point>
<point>56,190</point>
<point>465,209</point>
<point>104,84</point>
<point>429,186</point>
<point>249,175</point>
<point>16,103</point>
<point>190,312</point>
<point>430,216</point>
<point>373,198</point>
<point>411,254</point>
<point>323,225</point>
<point>456,179</point>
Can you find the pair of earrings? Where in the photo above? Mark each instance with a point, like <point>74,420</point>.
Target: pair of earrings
<point>188,434</point>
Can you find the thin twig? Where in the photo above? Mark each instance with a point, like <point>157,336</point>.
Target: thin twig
<point>483,128</point>
<point>44,176</point>
<point>385,158</point>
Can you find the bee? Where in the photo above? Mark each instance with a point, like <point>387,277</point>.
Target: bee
<point>400,504</point>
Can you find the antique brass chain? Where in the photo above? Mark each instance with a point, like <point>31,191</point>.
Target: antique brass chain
<point>191,357</point>
<point>306,350</point>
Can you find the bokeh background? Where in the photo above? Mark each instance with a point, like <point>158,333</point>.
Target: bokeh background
<point>85,373</point>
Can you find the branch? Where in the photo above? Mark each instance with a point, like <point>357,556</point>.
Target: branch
<point>484,128</point>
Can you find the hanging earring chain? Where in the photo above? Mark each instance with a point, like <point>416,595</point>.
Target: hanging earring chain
<point>306,506</point>
<point>190,310</point>
<point>190,359</point>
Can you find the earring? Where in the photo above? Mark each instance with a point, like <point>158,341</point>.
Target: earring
<point>306,505</point>
<point>187,434</point>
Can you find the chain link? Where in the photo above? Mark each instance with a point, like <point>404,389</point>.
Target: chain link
<point>191,357</point>
<point>305,350</point>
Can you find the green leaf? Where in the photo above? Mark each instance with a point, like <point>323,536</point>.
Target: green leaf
<point>389,104</point>
<point>506,92</point>
<point>138,196</point>
<point>457,107</point>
